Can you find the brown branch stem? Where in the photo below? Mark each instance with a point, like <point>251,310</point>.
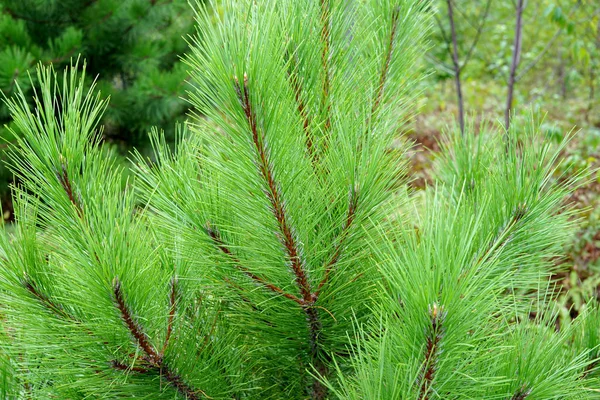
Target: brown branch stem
<point>326,42</point>
<point>341,240</point>
<point>287,236</point>
<point>435,335</point>
<point>65,182</point>
<point>220,244</point>
<point>151,356</point>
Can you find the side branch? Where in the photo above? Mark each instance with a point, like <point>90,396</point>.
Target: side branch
<point>44,300</point>
<point>151,356</point>
<point>287,237</point>
<point>326,42</point>
<point>218,242</point>
<point>435,335</point>
<point>521,394</point>
<point>172,309</point>
<point>341,240</point>
<point>386,63</point>
<point>65,182</point>
<point>135,330</point>
<point>297,87</point>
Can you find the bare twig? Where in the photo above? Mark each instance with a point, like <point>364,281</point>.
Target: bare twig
<point>516,58</point>
<point>457,68</point>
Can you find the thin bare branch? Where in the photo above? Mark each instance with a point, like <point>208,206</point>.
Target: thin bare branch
<point>516,58</point>
<point>482,20</point>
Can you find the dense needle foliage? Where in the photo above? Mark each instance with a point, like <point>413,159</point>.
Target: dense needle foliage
<point>277,252</point>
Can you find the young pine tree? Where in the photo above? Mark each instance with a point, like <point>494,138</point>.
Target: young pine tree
<point>240,264</point>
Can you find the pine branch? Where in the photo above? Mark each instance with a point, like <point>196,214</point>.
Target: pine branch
<point>521,394</point>
<point>65,182</point>
<point>354,192</point>
<point>326,41</point>
<point>432,350</point>
<point>156,361</point>
<point>136,331</point>
<point>287,238</point>
<point>119,366</point>
<point>44,300</point>
<point>386,64</point>
<point>297,88</point>
<point>504,236</point>
<point>341,240</point>
<point>218,242</point>
<point>172,309</point>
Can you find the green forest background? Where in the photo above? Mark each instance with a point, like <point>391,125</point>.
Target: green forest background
<point>546,52</point>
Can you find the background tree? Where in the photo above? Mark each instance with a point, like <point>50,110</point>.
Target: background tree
<point>131,46</point>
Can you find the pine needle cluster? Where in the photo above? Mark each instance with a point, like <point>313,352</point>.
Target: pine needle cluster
<point>276,252</point>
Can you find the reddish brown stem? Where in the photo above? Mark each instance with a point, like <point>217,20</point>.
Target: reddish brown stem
<point>521,394</point>
<point>341,240</point>
<point>326,42</point>
<point>156,361</point>
<point>218,241</point>
<point>56,309</point>
<point>65,182</point>
<point>172,300</point>
<point>432,350</point>
<point>135,330</point>
<point>288,239</point>
<point>123,367</point>
<point>387,61</point>
<point>297,87</point>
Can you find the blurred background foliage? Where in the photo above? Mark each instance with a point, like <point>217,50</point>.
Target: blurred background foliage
<point>134,48</point>
<point>557,76</point>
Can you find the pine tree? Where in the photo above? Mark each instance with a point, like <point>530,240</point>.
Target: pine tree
<point>131,45</point>
<point>275,253</point>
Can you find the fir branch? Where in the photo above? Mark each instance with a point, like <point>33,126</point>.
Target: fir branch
<point>287,236</point>
<point>341,238</point>
<point>218,242</point>
<point>156,361</point>
<point>435,335</point>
